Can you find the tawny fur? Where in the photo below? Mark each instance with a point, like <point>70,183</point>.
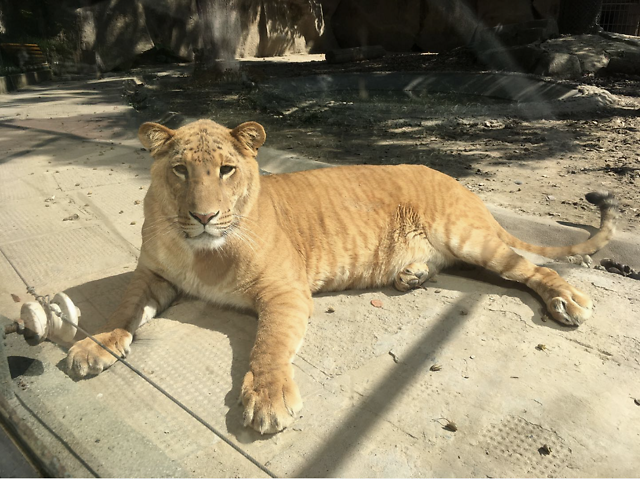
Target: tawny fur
<point>216,229</point>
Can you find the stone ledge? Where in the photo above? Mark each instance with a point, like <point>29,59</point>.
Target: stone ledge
<point>15,82</point>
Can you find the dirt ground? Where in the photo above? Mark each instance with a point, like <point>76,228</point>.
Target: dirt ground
<point>539,165</point>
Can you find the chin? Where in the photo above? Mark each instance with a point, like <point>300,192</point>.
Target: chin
<point>206,242</point>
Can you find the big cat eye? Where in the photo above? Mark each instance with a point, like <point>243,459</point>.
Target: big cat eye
<point>226,170</point>
<point>181,170</point>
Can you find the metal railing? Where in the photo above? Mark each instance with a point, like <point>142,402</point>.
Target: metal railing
<point>621,16</point>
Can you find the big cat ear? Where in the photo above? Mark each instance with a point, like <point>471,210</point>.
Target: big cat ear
<point>251,135</point>
<point>154,136</point>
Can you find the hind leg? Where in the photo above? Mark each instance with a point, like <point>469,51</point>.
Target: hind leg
<point>411,276</point>
<point>566,304</point>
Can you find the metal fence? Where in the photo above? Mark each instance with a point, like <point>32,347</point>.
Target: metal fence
<point>621,16</point>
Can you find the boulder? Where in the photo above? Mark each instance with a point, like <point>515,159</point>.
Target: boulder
<point>327,40</point>
<point>547,8</point>
<point>292,26</point>
<point>495,12</point>
<point>559,65</point>
<point>115,30</point>
<point>592,50</point>
<point>624,62</point>
<point>267,29</point>
<point>173,26</point>
<point>445,26</point>
<point>394,25</point>
<point>516,34</point>
<point>515,59</point>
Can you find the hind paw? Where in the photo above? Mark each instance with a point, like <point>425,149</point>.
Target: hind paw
<point>411,277</point>
<point>571,308</point>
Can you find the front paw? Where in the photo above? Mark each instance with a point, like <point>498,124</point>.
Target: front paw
<point>87,358</point>
<point>271,400</point>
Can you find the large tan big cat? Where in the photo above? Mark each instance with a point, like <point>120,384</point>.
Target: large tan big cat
<point>216,229</point>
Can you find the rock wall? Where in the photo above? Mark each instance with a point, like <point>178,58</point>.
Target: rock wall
<point>118,30</point>
<point>113,32</point>
<point>426,25</point>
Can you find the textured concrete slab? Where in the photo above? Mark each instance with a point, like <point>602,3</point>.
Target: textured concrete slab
<point>528,397</point>
<point>504,86</point>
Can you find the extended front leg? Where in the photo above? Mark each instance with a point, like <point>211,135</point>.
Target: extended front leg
<point>146,295</point>
<point>269,394</point>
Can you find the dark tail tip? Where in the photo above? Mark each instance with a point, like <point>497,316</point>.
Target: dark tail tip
<point>602,199</point>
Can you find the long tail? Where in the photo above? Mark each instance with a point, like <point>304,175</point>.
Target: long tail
<point>609,214</point>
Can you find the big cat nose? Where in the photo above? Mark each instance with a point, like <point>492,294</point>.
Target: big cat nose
<point>203,218</point>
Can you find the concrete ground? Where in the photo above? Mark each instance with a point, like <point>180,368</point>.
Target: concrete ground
<point>528,397</point>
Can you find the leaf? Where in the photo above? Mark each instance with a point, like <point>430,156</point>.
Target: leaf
<point>376,303</point>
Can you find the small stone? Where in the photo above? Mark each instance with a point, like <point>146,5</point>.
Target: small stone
<point>71,218</point>
<point>376,303</point>
<point>518,182</point>
<point>15,297</point>
<point>132,223</point>
<point>330,310</point>
<point>136,202</point>
<point>545,450</point>
<point>451,426</point>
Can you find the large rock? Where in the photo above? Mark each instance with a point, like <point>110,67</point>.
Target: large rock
<point>446,25</point>
<point>624,62</point>
<point>173,25</point>
<point>593,51</point>
<point>547,8</point>
<point>115,30</point>
<point>279,28</point>
<point>515,34</point>
<point>395,25</point>
<point>494,12</point>
<point>515,59</point>
<point>559,65</point>
<point>327,40</point>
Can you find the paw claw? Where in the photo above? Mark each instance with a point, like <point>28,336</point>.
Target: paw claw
<point>271,402</point>
<point>571,309</point>
<point>411,277</point>
<point>88,358</point>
